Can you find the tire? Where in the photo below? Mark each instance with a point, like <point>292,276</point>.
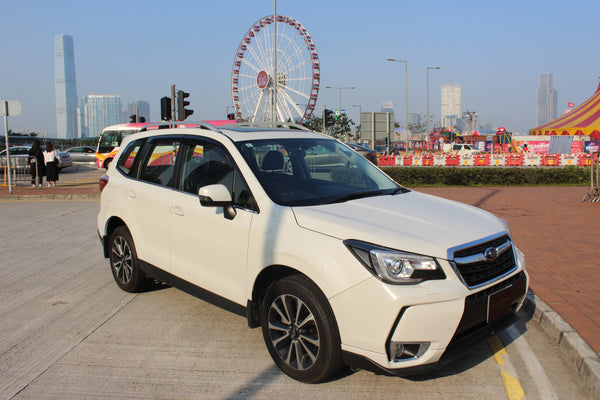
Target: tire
<point>300,331</point>
<point>107,163</point>
<point>124,263</point>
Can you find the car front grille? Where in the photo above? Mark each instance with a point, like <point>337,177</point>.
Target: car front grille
<point>476,269</point>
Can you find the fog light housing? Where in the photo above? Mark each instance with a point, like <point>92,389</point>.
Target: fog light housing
<point>404,351</point>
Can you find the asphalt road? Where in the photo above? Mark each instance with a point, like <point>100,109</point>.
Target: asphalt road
<point>68,332</point>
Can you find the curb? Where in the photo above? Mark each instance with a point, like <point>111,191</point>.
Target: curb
<point>578,354</point>
<point>57,197</point>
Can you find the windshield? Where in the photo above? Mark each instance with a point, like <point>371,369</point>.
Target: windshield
<point>297,172</point>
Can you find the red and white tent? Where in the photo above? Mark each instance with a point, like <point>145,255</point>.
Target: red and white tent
<point>582,120</point>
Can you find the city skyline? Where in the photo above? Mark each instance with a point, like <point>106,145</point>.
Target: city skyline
<point>498,69</point>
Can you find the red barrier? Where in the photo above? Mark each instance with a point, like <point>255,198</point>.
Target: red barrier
<point>387,160</point>
<point>550,159</point>
<point>407,160</point>
<point>514,160</point>
<point>452,160</point>
<point>481,159</point>
<point>428,160</point>
<point>584,160</point>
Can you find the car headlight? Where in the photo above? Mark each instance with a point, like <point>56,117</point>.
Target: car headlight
<point>394,266</point>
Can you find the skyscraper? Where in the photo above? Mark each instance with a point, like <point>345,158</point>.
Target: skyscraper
<point>65,87</point>
<point>451,104</point>
<point>102,111</point>
<point>547,100</point>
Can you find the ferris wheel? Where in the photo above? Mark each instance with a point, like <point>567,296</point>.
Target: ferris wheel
<point>275,74</point>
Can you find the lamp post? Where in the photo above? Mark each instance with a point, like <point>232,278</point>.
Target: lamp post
<point>406,87</point>
<point>359,114</point>
<point>428,68</point>
<point>340,89</point>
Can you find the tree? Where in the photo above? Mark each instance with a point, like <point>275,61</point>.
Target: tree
<point>314,124</point>
<point>342,127</point>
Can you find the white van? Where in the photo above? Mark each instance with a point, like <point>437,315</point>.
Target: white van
<point>460,148</point>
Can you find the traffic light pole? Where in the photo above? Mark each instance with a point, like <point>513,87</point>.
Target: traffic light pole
<point>173,103</point>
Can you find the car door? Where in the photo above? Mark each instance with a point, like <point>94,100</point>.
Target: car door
<point>208,249</point>
<point>147,199</point>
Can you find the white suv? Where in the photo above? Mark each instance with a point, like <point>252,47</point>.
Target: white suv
<point>338,264</point>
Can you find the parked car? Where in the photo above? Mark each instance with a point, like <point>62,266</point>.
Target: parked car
<point>460,148</point>
<point>339,267</point>
<point>83,154</point>
<point>369,154</point>
<point>21,155</point>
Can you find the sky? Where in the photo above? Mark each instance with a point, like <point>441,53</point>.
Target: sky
<point>496,50</point>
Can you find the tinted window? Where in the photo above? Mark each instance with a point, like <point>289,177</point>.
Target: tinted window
<point>159,161</point>
<point>206,163</point>
<point>126,161</point>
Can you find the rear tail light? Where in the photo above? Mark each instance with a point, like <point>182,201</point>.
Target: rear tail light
<point>103,182</point>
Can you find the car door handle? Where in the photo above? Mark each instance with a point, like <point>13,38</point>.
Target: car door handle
<point>131,194</point>
<point>176,210</point>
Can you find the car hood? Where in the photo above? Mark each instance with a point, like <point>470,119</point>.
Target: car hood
<point>412,222</point>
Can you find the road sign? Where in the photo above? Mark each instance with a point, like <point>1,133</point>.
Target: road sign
<point>12,106</point>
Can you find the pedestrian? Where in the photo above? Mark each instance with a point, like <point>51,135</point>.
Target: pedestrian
<point>37,167</point>
<point>52,161</point>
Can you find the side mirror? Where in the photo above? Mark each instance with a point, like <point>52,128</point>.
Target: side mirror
<point>217,196</point>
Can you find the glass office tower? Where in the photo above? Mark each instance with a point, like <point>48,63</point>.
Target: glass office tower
<point>65,87</point>
<point>102,111</point>
<point>547,106</point>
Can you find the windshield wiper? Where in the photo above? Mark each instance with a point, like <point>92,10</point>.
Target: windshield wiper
<point>400,189</point>
<point>356,195</point>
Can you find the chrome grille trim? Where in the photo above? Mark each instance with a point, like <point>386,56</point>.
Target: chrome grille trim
<point>474,269</point>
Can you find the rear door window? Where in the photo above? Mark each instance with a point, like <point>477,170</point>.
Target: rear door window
<point>158,165</point>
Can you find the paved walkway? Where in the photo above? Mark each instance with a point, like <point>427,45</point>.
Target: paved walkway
<point>559,235</point>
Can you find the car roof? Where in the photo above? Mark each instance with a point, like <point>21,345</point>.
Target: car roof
<point>238,132</point>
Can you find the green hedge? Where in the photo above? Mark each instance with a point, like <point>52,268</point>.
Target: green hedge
<point>488,176</point>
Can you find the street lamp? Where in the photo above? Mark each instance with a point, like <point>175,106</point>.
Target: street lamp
<point>359,113</point>
<point>406,88</point>
<point>428,68</point>
<point>340,89</point>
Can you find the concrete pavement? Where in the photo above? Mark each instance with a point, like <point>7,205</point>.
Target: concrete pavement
<point>559,235</point>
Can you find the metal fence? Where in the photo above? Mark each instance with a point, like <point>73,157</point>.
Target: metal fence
<point>19,170</point>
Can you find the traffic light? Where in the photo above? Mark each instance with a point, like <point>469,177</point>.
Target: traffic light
<point>133,118</point>
<point>231,116</point>
<point>328,118</point>
<point>165,109</point>
<point>182,113</point>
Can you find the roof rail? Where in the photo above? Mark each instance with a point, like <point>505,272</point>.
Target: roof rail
<point>182,124</point>
<point>267,124</point>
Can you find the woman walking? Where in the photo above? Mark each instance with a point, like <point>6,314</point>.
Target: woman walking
<point>37,167</point>
<point>52,161</point>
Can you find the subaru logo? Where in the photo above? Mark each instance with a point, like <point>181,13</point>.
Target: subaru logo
<point>490,253</point>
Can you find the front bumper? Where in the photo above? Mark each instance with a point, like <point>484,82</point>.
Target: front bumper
<point>446,318</point>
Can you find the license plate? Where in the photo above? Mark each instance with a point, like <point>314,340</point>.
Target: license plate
<point>501,303</point>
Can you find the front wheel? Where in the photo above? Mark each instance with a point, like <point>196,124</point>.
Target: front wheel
<point>300,330</point>
<point>124,262</point>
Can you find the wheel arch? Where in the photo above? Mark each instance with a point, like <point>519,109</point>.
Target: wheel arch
<point>263,281</point>
<point>112,224</point>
